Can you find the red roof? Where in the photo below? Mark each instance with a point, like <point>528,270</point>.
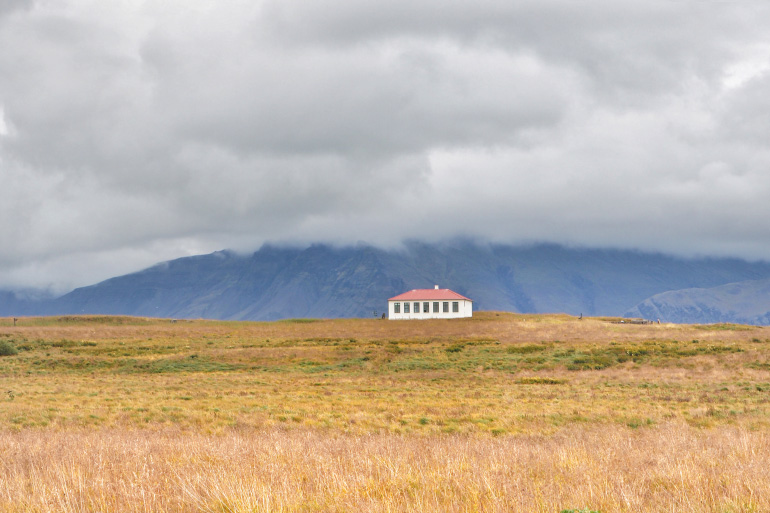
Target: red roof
<point>428,295</point>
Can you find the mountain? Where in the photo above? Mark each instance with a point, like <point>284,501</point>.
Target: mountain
<point>325,281</point>
<point>22,302</point>
<point>746,302</point>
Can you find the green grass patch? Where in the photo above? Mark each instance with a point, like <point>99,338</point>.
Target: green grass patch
<point>173,365</point>
<point>540,381</point>
<point>649,352</point>
<point>525,349</point>
<point>723,327</point>
<point>7,349</point>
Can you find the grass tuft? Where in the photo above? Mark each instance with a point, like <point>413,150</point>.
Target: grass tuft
<point>7,349</point>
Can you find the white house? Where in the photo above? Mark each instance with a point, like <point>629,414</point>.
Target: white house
<point>432,303</point>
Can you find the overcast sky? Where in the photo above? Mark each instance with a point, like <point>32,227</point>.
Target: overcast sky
<point>133,132</point>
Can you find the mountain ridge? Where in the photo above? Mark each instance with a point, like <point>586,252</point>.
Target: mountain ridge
<point>745,302</point>
<point>321,280</point>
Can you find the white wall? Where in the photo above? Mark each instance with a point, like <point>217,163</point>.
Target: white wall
<point>465,310</point>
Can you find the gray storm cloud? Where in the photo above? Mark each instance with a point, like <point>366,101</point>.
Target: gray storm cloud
<point>135,132</point>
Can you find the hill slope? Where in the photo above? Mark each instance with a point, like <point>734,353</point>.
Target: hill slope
<point>746,302</point>
<point>323,281</point>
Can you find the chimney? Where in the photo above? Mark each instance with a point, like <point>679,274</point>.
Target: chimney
<point>436,287</point>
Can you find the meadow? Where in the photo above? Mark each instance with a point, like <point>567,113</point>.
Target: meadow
<point>501,412</point>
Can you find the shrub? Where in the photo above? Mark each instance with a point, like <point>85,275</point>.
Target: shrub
<point>524,349</point>
<point>7,349</point>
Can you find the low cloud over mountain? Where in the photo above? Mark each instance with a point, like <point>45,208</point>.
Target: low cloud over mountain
<point>133,132</point>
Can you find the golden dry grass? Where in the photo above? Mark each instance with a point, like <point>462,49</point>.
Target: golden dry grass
<point>668,468</point>
<point>501,412</point>
<point>493,374</point>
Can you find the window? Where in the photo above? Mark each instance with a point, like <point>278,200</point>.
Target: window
<point>455,306</point>
<point>396,307</point>
<point>406,307</point>
<point>416,307</point>
<point>446,306</point>
<point>435,307</point>
<point>425,307</point>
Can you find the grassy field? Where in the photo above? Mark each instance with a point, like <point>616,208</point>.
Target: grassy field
<point>500,412</point>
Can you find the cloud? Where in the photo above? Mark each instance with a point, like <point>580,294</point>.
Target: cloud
<point>9,6</point>
<point>135,132</point>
